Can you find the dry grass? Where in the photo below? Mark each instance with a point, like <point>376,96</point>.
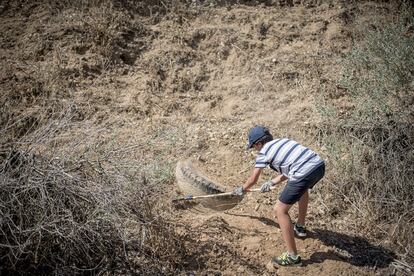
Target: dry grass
<point>68,213</point>
<point>370,139</point>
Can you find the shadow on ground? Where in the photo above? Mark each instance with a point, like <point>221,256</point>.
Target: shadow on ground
<point>263,220</point>
<point>352,249</point>
<point>355,250</point>
<point>211,246</point>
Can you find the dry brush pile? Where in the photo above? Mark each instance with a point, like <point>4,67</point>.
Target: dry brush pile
<point>71,213</point>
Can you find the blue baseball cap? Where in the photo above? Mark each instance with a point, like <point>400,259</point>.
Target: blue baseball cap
<point>255,134</point>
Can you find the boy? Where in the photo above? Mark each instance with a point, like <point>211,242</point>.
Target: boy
<point>302,167</point>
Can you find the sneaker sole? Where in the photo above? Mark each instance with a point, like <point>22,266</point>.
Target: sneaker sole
<point>301,235</point>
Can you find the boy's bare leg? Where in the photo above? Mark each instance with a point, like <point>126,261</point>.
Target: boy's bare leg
<point>303,207</point>
<point>285,223</point>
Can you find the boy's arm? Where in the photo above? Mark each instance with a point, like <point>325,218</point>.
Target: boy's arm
<point>253,178</point>
<point>241,190</point>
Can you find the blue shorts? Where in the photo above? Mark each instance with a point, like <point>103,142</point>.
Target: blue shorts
<point>294,190</point>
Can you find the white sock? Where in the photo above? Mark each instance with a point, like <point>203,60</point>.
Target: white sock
<point>293,256</point>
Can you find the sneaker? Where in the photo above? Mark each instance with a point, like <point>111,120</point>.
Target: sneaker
<point>286,260</point>
<point>300,230</point>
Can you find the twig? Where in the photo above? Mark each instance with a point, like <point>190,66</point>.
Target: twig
<point>261,83</point>
<point>237,47</point>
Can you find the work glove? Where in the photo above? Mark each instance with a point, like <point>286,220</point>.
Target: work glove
<point>239,191</point>
<point>266,187</point>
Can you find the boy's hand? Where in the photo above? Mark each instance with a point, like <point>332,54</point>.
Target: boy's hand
<point>239,191</point>
<point>266,187</point>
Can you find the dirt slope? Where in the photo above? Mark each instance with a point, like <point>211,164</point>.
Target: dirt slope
<point>228,69</point>
<point>242,240</point>
<point>191,85</point>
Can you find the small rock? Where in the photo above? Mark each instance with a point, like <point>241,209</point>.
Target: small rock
<point>270,267</point>
<point>240,269</point>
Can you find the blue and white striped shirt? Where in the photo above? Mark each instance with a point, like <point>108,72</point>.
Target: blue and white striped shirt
<point>289,158</point>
